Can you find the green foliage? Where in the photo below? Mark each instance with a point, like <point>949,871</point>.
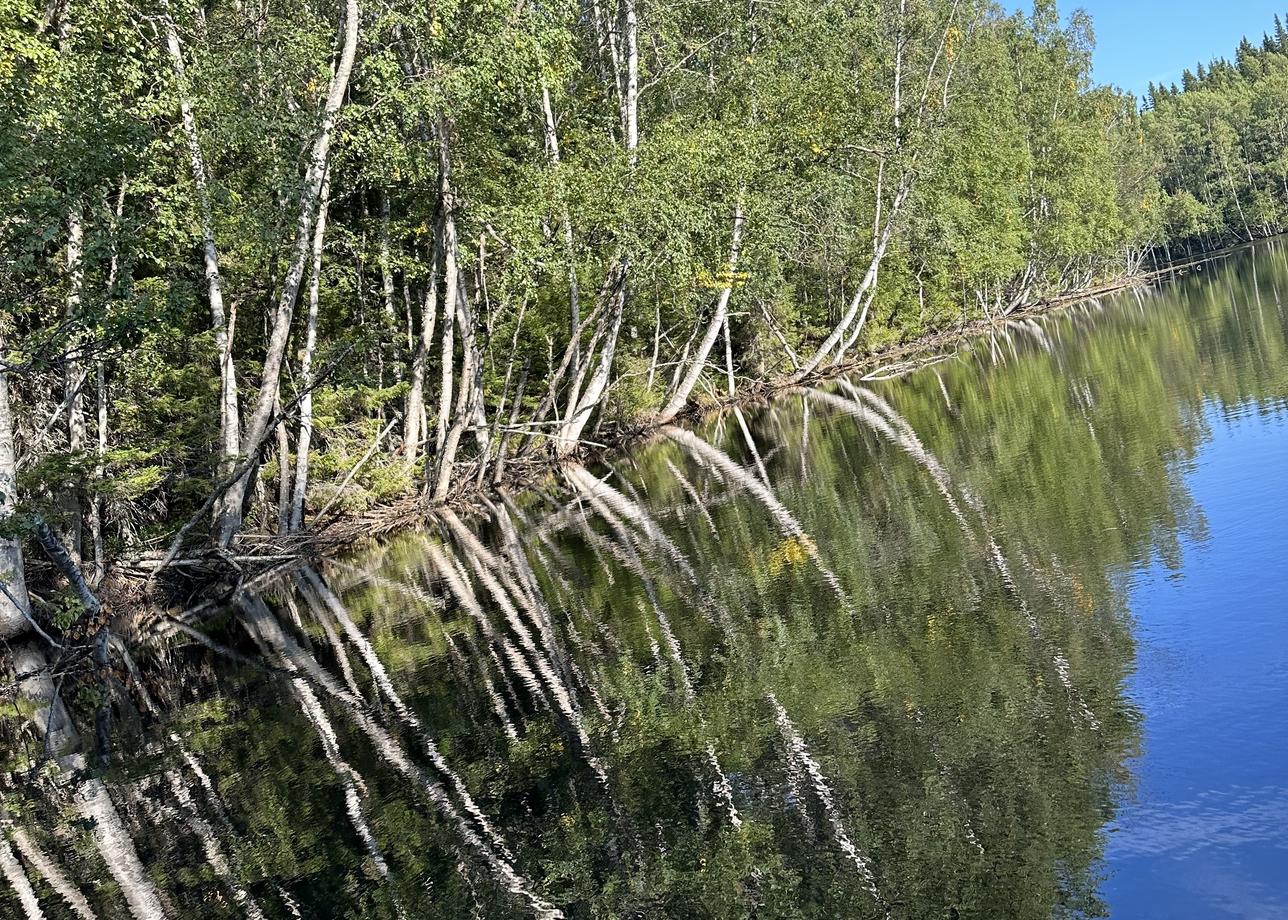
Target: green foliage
<point>929,702</point>
<point>1024,180</point>
<point>1221,145</point>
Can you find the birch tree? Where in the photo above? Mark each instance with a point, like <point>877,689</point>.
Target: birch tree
<point>310,196</point>
<point>229,413</point>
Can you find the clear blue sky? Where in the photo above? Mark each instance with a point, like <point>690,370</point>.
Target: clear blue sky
<point>1138,41</point>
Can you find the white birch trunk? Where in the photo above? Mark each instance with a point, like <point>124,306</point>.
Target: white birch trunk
<point>229,414</point>
<point>468,400</point>
<point>869,279</point>
<point>100,455</point>
<point>305,438</point>
<point>451,425</point>
<point>680,398</point>
<point>414,431</point>
<point>386,262</point>
<point>310,196</point>
<point>582,404</point>
<point>451,271</point>
<point>630,34</point>
<point>96,505</point>
<point>73,383</point>
<point>390,318</point>
<point>13,601</point>
<point>574,294</point>
<point>283,469</point>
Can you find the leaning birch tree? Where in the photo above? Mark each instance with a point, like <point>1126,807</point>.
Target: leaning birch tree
<point>257,428</point>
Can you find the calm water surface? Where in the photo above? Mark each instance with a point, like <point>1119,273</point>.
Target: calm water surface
<point>1004,638</point>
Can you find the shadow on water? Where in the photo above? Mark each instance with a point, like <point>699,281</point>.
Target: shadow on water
<point>865,655</point>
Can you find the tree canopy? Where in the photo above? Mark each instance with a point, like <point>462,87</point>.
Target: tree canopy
<point>265,261</point>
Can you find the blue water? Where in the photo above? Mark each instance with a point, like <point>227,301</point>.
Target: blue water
<point>1203,832</point>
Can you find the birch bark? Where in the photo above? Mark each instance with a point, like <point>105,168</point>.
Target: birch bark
<point>680,398</point>
<point>257,428</point>
<point>414,430</point>
<point>582,404</point>
<point>13,601</point>
<point>305,438</point>
<point>229,414</point>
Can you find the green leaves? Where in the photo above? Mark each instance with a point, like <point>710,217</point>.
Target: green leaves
<point>1026,180</point>
<point>1220,144</point>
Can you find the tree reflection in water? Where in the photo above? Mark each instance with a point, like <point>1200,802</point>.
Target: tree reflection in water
<point>883,678</point>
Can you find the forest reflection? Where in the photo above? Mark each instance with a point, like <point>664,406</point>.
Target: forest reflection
<point>859,653</point>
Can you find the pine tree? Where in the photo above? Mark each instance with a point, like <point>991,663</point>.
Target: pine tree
<point>1244,57</point>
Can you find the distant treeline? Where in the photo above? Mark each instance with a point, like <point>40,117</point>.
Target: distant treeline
<point>263,261</point>
<point>1220,140</point>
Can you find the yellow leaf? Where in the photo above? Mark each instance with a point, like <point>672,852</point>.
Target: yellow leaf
<point>791,552</point>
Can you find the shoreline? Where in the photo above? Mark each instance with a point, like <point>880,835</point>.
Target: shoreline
<point>210,578</point>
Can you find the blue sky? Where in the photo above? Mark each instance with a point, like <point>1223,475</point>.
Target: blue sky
<point>1138,41</point>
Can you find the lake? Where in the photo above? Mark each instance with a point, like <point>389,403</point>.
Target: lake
<point>1004,637</point>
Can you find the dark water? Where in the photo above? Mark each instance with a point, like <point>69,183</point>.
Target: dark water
<point>1004,638</point>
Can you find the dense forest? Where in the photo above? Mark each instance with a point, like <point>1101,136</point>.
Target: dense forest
<point>270,264</point>
<point>1220,146</point>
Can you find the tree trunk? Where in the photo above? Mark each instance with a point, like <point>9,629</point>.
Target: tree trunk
<point>387,282</point>
<point>468,399</point>
<point>311,194</point>
<point>503,449</point>
<point>96,506</point>
<point>631,101</point>
<point>414,431</point>
<point>582,404</point>
<point>869,278</point>
<point>451,271</point>
<point>229,414</point>
<point>100,455</point>
<point>283,469</point>
<point>574,294</point>
<point>73,384</point>
<point>699,362</point>
<point>13,602</point>
<point>305,437</point>
<point>581,408</point>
